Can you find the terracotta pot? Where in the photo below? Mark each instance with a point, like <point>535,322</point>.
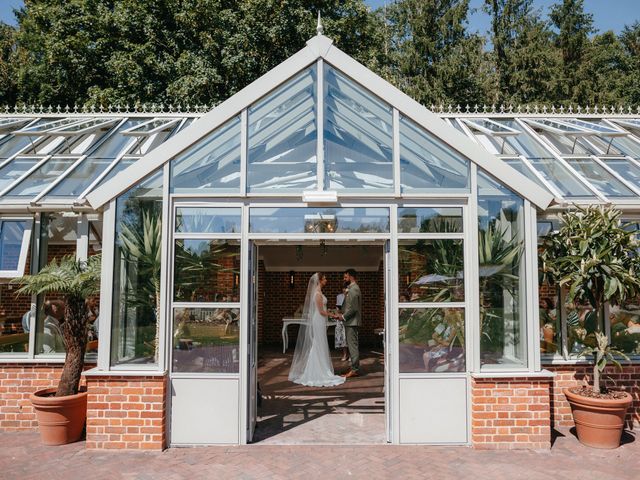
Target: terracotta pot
<point>599,421</point>
<point>61,419</point>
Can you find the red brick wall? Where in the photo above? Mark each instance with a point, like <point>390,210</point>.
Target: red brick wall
<point>126,412</point>
<point>511,413</point>
<point>277,300</point>
<point>573,375</point>
<point>17,382</point>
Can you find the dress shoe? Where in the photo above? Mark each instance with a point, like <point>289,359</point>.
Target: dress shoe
<point>350,374</point>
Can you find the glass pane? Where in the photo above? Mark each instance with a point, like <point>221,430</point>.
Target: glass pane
<point>432,340</point>
<point>523,144</point>
<point>626,146</point>
<point>503,338</point>
<point>12,145</point>
<point>120,166</point>
<point>212,165</point>
<point>207,271</point>
<point>430,220</point>
<point>42,177</point>
<point>283,137</point>
<point>14,320</point>
<point>519,165</point>
<point>550,325</point>
<point>600,178</point>
<point>14,170</point>
<point>429,165</point>
<point>58,238</point>
<point>208,220</point>
<point>319,220</point>
<point>625,326</point>
<point>11,235</point>
<point>116,144</point>
<point>569,145</point>
<point>206,340</point>
<point>78,180</point>
<point>560,177</point>
<point>627,170</point>
<point>358,135</point>
<point>581,321</point>
<point>431,271</point>
<point>136,276</point>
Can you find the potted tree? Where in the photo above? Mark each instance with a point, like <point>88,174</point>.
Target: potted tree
<point>62,411</point>
<point>594,257</point>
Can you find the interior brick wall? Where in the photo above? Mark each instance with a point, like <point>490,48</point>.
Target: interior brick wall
<point>511,413</point>
<point>278,300</point>
<point>568,376</point>
<point>17,383</point>
<point>126,412</point>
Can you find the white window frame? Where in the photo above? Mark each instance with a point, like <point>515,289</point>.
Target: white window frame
<point>24,248</point>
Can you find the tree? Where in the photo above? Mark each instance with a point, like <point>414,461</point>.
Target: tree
<point>630,39</point>
<point>574,26</point>
<point>430,55</point>
<point>524,60</point>
<point>78,281</point>
<point>8,62</point>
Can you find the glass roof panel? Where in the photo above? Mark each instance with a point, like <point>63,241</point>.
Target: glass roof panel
<point>523,144</point>
<point>41,178</point>
<point>115,145</point>
<point>557,126</point>
<point>85,127</point>
<point>520,166</point>
<point>11,145</point>
<point>358,130</point>
<point>626,169</point>
<point>283,137</point>
<point>563,179</point>
<point>600,178</point>
<point>14,170</point>
<point>427,164</point>
<point>211,165</point>
<point>490,127</point>
<point>152,126</point>
<point>80,178</point>
<point>598,127</point>
<point>120,166</point>
<point>9,124</point>
<point>46,124</point>
<point>569,145</point>
<point>627,122</point>
<point>626,146</point>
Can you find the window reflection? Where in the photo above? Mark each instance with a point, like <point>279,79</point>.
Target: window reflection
<point>206,340</point>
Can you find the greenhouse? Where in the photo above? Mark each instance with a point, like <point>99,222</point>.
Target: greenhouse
<point>210,224</point>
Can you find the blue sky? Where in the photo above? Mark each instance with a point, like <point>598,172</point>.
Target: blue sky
<point>608,14</point>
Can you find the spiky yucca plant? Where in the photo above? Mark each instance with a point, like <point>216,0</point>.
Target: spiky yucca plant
<point>596,259</point>
<point>77,281</point>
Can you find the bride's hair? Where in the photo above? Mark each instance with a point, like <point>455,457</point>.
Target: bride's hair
<point>320,276</point>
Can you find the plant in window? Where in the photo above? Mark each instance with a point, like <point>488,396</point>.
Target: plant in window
<point>499,255</point>
<point>78,282</point>
<point>595,258</point>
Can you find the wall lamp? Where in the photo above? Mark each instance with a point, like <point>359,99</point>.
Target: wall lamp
<point>292,279</point>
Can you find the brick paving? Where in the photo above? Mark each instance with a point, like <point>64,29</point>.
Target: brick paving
<point>23,457</point>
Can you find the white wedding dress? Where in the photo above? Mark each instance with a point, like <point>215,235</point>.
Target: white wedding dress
<point>311,364</point>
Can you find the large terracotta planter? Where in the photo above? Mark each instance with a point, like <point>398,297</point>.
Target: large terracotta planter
<point>60,419</point>
<point>599,421</point>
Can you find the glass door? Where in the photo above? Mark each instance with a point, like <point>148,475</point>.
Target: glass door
<point>252,350</point>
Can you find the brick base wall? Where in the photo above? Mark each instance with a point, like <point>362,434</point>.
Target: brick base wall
<point>511,413</point>
<point>17,383</point>
<point>573,375</point>
<point>126,412</point>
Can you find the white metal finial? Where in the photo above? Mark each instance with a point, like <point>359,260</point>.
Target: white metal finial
<point>319,27</point>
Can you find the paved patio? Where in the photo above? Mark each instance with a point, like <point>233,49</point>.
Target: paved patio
<point>23,457</point>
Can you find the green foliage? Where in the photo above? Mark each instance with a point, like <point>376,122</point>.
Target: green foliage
<point>596,259</point>
<point>203,51</point>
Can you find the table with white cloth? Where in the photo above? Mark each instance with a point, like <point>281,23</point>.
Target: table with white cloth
<point>297,321</point>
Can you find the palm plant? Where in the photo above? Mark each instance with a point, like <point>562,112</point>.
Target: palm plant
<point>596,259</point>
<point>141,245</point>
<point>77,281</point>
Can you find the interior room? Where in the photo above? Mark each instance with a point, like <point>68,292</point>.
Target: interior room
<point>288,413</point>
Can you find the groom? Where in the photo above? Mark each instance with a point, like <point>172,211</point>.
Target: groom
<point>351,315</point>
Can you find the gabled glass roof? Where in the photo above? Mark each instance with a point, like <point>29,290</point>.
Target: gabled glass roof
<point>58,159</point>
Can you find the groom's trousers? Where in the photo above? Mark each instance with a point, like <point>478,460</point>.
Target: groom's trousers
<point>352,345</point>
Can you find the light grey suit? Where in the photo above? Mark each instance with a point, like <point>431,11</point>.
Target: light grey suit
<point>352,314</point>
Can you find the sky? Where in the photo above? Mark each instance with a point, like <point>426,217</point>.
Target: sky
<point>607,14</point>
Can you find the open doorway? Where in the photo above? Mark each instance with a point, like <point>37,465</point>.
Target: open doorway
<point>289,413</point>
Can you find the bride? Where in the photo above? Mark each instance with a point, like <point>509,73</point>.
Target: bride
<point>312,365</point>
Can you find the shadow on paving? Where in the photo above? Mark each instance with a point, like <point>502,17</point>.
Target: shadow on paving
<point>351,413</point>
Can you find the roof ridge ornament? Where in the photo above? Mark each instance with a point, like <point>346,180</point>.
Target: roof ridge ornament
<point>319,27</point>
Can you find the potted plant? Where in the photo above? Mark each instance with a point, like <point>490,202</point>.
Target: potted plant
<point>62,411</point>
<point>594,257</point>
